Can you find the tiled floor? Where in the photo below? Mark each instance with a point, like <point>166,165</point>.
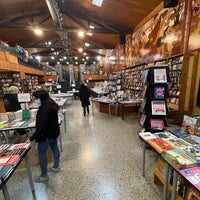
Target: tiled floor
<point>101,160</point>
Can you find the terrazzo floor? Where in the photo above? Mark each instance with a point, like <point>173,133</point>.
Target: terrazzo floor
<point>101,160</point>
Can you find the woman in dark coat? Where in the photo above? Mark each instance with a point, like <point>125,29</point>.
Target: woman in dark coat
<point>84,94</point>
<point>47,132</point>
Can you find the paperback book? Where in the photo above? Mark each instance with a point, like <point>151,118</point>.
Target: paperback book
<point>147,135</point>
<point>179,132</point>
<point>193,151</point>
<point>165,135</point>
<point>9,160</point>
<point>159,92</point>
<point>178,142</point>
<point>160,145</point>
<point>192,175</point>
<point>160,75</point>
<point>179,159</point>
<point>189,124</point>
<point>192,139</point>
<point>142,119</point>
<point>158,107</point>
<point>157,124</point>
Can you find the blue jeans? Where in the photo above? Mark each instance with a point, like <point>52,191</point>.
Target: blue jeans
<point>42,150</point>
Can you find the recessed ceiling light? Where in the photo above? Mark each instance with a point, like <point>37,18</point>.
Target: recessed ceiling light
<point>38,31</point>
<point>81,33</point>
<point>80,50</point>
<point>87,44</point>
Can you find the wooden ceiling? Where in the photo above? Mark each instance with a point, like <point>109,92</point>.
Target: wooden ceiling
<point>112,19</point>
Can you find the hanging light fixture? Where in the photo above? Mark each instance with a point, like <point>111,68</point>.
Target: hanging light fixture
<point>97,2</point>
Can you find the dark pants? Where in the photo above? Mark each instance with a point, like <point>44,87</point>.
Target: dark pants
<point>84,109</point>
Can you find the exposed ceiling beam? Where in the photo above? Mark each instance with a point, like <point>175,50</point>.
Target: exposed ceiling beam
<point>52,28</point>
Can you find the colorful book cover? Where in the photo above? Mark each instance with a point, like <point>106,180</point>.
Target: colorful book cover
<point>193,151</point>
<point>158,107</point>
<point>142,119</point>
<point>19,146</point>
<point>192,139</point>
<point>179,159</point>
<point>157,124</point>
<point>160,145</point>
<point>165,135</point>
<point>9,160</point>
<point>147,135</point>
<point>159,92</point>
<point>192,175</point>
<point>178,142</point>
<point>188,124</point>
<point>179,132</point>
<point>160,75</point>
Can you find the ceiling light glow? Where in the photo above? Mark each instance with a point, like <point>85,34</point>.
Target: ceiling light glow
<point>38,31</point>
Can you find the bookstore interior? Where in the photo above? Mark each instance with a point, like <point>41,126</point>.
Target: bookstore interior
<point>154,73</point>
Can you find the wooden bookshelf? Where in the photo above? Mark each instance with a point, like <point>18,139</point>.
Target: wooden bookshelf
<point>94,77</point>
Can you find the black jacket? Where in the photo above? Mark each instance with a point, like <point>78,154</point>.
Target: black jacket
<point>47,125</point>
<point>11,102</point>
<point>84,94</point>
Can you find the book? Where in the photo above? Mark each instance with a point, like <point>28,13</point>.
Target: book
<point>178,142</point>
<point>159,92</point>
<point>142,119</point>
<point>193,151</point>
<point>165,135</point>
<point>19,146</point>
<point>158,107</point>
<point>9,160</point>
<point>157,124</point>
<point>179,159</point>
<point>179,132</point>
<point>192,139</point>
<point>188,124</point>
<point>147,135</point>
<point>160,75</point>
<point>160,145</point>
<point>192,175</point>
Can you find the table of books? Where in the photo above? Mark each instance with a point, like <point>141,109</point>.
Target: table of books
<point>11,156</point>
<point>11,121</point>
<point>182,153</point>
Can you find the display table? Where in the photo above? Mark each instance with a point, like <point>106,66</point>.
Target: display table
<point>130,103</point>
<point>106,101</point>
<point>190,173</point>
<point>7,170</point>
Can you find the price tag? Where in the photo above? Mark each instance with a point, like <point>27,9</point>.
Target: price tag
<point>24,97</point>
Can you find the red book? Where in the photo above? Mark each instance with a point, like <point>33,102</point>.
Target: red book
<point>160,145</point>
<point>9,160</point>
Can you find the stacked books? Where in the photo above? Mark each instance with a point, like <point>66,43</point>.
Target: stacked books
<point>179,159</point>
<point>193,151</point>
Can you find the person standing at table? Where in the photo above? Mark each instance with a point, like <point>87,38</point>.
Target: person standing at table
<point>47,132</point>
<point>84,94</point>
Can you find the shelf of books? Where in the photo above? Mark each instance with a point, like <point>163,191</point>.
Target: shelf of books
<point>155,92</point>
<point>175,65</point>
<point>132,83</point>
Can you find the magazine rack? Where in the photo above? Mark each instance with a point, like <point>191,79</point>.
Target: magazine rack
<point>154,106</point>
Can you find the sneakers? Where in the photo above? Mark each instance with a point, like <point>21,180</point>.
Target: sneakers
<point>52,169</point>
<point>40,179</point>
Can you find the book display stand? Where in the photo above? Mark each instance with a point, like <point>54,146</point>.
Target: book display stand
<point>155,93</point>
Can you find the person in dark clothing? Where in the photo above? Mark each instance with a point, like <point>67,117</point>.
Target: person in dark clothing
<point>47,132</point>
<point>11,101</point>
<point>84,94</point>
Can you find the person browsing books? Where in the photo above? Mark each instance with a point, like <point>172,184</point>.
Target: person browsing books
<point>84,94</point>
<point>47,132</point>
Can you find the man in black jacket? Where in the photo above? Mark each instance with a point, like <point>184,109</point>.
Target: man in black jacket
<point>47,131</point>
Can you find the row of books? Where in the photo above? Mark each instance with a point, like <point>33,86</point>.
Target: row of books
<point>17,124</point>
<point>11,153</point>
<point>177,151</point>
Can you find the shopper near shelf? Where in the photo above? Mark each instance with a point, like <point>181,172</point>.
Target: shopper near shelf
<point>11,101</point>
<point>47,132</point>
<point>84,94</point>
